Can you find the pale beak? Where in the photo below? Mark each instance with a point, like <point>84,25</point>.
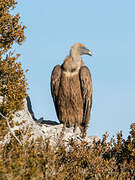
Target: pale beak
<point>90,53</point>
<point>84,50</point>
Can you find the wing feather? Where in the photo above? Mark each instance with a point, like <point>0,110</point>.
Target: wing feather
<point>55,83</point>
<point>86,90</point>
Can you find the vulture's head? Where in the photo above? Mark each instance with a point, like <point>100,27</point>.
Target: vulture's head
<point>79,49</point>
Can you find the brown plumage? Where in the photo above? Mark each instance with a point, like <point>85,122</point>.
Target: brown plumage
<point>71,89</point>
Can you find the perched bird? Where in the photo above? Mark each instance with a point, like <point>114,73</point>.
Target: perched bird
<point>71,89</point>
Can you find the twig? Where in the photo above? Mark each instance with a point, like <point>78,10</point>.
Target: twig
<point>11,131</point>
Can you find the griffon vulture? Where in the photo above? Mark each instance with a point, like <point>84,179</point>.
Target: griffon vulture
<point>71,89</point>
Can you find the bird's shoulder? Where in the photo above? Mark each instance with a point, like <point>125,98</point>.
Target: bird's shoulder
<point>56,73</point>
<point>56,69</point>
<point>84,70</point>
<point>85,75</point>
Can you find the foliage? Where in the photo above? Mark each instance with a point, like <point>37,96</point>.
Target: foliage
<point>10,29</point>
<point>12,85</point>
<point>12,78</point>
<point>37,160</point>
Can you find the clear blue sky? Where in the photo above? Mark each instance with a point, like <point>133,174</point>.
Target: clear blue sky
<point>105,27</point>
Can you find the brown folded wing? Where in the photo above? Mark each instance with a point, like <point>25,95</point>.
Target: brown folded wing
<point>55,83</point>
<point>86,89</point>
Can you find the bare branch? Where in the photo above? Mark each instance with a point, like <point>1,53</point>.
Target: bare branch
<point>10,129</point>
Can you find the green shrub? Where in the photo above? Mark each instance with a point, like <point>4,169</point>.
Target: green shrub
<point>37,160</point>
<point>12,78</point>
